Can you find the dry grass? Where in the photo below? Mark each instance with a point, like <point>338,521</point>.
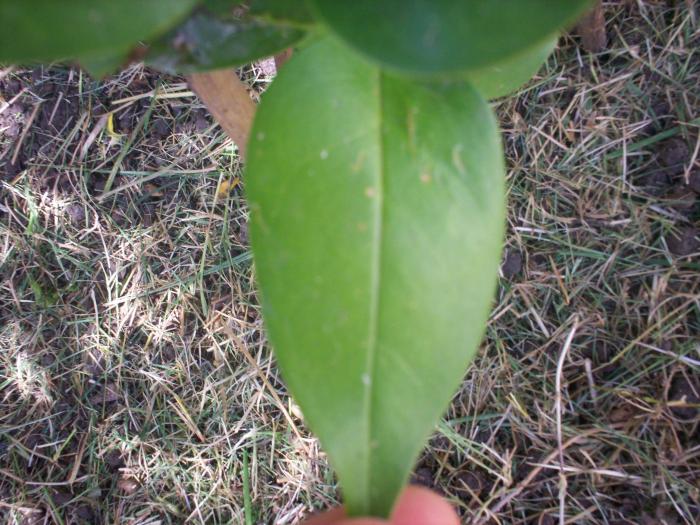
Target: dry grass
<point>123,400</point>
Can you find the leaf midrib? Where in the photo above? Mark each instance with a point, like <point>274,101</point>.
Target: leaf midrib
<point>375,284</point>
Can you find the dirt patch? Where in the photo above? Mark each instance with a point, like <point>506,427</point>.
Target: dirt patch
<point>694,181</point>
<point>684,397</point>
<point>682,198</point>
<point>674,154</point>
<point>11,120</point>
<point>684,241</point>
<point>512,264</point>
<point>38,119</point>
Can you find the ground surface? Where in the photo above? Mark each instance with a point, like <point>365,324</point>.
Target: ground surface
<point>122,401</point>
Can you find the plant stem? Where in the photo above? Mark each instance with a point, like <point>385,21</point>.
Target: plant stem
<point>247,503</point>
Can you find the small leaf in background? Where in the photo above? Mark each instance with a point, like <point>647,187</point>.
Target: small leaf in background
<point>43,296</point>
<point>45,30</point>
<point>226,186</point>
<point>499,80</point>
<point>445,36</point>
<point>206,41</point>
<point>110,128</point>
<point>377,229</point>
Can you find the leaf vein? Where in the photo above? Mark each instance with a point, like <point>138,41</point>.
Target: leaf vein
<point>375,285</point>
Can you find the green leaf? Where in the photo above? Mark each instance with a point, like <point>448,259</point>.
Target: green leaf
<point>205,42</point>
<point>501,79</point>
<point>377,209</point>
<point>45,30</point>
<point>445,36</point>
<point>221,7</point>
<point>292,12</point>
<point>99,66</point>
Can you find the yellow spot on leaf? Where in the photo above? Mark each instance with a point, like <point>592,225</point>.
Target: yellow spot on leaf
<point>359,161</point>
<point>457,159</point>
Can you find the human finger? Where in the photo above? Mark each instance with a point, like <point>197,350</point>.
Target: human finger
<point>420,506</point>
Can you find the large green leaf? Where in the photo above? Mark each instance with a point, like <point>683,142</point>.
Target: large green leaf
<point>206,41</point>
<point>44,30</point>
<point>99,66</point>
<point>377,208</point>
<point>445,36</point>
<point>503,78</point>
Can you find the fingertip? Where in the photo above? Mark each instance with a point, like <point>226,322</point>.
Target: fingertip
<point>420,506</point>
<point>338,517</point>
<point>416,506</point>
<point>332,517</point>
<point>364,521</point>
